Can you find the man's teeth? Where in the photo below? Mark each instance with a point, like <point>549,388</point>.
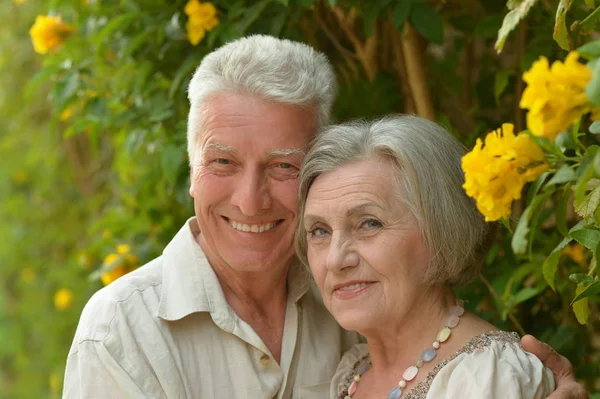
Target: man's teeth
<point>253,228</point>
<point>352,286</point>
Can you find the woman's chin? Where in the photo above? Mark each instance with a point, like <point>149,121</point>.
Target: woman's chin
<point>354,321</point>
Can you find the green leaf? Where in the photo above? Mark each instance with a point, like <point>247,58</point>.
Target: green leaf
<point>251,15</point>
<point>589,238</point>
<point>400,14</point>
<point>523,295</point>
<point>519,239</point>
<point>561,34</point>
<point>500,83</point>
<point>428,22</point>
<point>582,310</point>
<point>592,289</point>
<point>595,127</point>
<point>582,278</point>
<point>511,20</point>
<point>331,3</point>
<point>171,159</point>
<point>534,188</point>
<point>590,22</point>
<point>136,42</point>
<point>589,205</point>
<point>185,70</point>
<point>563,175</point>
<point>117,23</point>
<point>550,265</point>
<point>590,50</point>
<point>561,211</point>
<point>590,3</point>
<point>593,88</point>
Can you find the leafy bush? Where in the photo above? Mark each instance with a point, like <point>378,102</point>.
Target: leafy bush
<point>94,178</point>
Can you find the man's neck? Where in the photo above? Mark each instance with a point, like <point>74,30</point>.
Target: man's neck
<point>257,297</point>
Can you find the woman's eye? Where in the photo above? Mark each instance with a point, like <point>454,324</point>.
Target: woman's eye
<point>317,232</point>
<point>370,224</point>
<point>285,165</point>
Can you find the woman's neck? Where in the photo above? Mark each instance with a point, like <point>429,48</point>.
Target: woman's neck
<point>403,340</point>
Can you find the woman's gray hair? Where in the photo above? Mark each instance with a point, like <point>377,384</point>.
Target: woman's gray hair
<point>430,179</point>
<point>276,70</point>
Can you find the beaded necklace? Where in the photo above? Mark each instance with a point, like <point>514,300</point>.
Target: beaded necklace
<point>427,356</point>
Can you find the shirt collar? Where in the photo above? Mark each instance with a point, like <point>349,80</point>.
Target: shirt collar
<point>189,283</point>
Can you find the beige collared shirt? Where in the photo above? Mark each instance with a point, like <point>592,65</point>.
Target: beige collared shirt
<point>166,331</point>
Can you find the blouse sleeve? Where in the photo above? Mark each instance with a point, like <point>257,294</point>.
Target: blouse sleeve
<point>502,370</point>
<point>345,368</point>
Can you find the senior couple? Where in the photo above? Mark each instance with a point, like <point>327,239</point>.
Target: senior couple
<point>379,218</point>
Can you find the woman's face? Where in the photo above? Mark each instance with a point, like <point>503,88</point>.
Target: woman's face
<point>365,249</point>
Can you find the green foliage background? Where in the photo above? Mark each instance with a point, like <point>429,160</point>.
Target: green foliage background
<point>115,172</point>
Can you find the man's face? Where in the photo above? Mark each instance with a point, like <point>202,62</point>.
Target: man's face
<point>245,180</point>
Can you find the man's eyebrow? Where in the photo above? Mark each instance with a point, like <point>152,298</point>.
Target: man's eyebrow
<point>219,147</point>
<point>282,152</point>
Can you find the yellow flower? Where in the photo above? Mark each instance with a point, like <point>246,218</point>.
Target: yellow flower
<point>110,259</point>
<point>106,234</point>
<point>123,249</point>
<point>121,263</point>
<point>555,96</point>
<point>66,114</point>
<point>63,299</point>
<point>55,382</point>
<point>202,17</point>
<point>114,274</point>
<point>19,1</point>
<point>576,252</point>
<point>28,275</point>
<point>48,33</point>
<point>195,33</point>
<point>496,173</point>
<point>20,177</point>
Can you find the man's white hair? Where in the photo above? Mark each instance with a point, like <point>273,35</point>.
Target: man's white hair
<point>272,69</point>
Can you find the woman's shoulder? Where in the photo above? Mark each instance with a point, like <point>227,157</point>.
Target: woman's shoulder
<point>355,358</point>
<point>491,365</point>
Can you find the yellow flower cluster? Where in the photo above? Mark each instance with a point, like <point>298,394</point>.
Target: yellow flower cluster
<point>555,96</point>
<point>495,174</point>
<point>120,263</point>
<point>48,33</point>
<point>63,299</point>
<point>202,17</point>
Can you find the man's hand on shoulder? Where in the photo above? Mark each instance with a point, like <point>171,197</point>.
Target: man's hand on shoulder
<point>566,385</point>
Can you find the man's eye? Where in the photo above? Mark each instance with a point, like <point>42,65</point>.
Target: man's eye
<point>285,165</point>
<point>222,161</point>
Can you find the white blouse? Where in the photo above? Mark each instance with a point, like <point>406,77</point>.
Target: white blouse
<point>492,365</point>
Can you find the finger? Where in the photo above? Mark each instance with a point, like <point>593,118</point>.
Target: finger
<point>560,365</point>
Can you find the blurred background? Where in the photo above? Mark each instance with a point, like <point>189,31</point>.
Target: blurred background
<point>93,165</point>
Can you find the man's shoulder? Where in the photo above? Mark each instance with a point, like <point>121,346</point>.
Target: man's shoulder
<point>137,293</point>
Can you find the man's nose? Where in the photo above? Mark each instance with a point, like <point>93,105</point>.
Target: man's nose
<point>341,255</point>
<point>252,193</point>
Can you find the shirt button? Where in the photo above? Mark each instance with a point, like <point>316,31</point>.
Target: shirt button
<point>264,359</point>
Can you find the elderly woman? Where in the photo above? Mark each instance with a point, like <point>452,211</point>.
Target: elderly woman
<point>387,231</point>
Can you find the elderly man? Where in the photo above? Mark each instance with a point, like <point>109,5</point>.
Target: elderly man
<point>227,311</point>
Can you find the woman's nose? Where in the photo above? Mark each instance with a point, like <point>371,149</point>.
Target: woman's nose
<point>341,255</point>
